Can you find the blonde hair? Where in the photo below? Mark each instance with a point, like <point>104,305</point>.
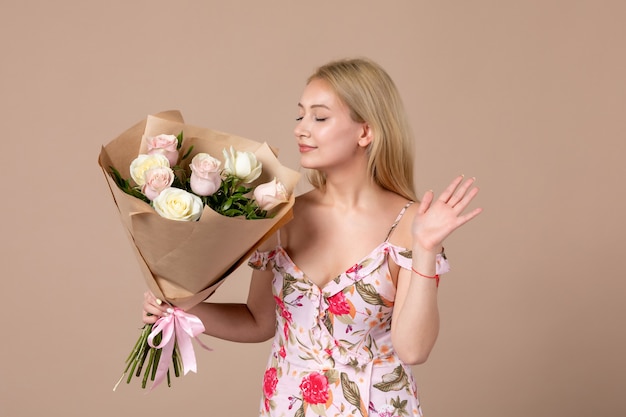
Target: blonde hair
<point>372,97</point>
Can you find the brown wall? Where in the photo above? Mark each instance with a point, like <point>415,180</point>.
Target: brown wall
<point>528,96</point>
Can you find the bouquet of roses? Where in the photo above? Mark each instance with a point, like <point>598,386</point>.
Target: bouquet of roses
<point>195,203</point>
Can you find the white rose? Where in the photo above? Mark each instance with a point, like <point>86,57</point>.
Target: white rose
<point>270,194</point>
<point>242,165</point>
<point>157,180</point>
<point>145,162</point>
<point>177,204</point>
<point>205,177</point>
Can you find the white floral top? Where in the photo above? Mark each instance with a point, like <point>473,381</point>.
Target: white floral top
<point>332,353</point>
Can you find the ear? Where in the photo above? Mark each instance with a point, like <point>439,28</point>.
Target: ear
<point>366,136</point>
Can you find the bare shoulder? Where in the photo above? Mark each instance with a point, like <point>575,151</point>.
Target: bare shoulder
<point>301,205</point>
<point>302,209</point>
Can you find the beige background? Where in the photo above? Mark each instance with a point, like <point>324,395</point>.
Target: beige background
<point>528,96</point>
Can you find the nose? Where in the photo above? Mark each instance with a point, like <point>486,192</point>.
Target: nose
<point>301,130</point>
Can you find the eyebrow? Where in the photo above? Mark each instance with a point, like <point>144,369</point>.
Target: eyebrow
<point>315,106</point>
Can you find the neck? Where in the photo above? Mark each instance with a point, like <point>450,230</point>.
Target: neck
<point>350,191</point>
<point>349,185</point>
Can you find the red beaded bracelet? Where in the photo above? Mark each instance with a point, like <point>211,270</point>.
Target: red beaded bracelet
<point>435,277</point>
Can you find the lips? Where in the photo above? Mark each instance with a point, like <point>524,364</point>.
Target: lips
<point>305,148</point>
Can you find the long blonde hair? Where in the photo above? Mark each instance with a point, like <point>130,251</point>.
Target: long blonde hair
<point>372,97</point>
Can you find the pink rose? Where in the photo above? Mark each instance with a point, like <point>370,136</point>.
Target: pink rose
<point>315,388</point>
<point>166,145</point>
<point>205,174</point>
<point>338,305</point>
<point>157,179</point>
<point>270,194</point>
<point>270,380</point>
<point>144,162</point>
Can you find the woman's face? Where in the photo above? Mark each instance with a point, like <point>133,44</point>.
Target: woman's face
<point>327,136</point>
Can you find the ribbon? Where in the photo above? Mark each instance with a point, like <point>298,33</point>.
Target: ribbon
<point>176,328</point>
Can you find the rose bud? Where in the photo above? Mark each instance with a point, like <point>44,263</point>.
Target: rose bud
<point>270,194</point>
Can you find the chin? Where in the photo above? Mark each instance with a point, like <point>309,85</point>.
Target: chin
<point>305,163</point>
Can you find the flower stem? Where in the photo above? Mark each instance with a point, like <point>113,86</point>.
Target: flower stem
<point>136,360</point>
<point>148,368</point>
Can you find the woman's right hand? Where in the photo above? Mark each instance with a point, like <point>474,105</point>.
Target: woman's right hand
<point>153,308</point>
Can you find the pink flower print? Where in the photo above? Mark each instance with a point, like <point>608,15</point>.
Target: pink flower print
<point>279,302</point>
<point>386,410</point>
<point>353,269</point>
<point>270,379</point>
<point>284,313</point>
<point>292,401</point>
<point>315,388</point>
<point>282,352</point>
<point>287,315</point>
<point>283,310</point>
<point>338,305</point>
<point>298,301</point>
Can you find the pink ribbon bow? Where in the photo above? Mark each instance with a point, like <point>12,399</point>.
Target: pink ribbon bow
<point>178,327</point>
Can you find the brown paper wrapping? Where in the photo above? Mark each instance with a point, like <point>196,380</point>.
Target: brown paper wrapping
<point>185,262</point>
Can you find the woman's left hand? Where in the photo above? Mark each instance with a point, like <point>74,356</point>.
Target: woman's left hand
<point>436,219</point>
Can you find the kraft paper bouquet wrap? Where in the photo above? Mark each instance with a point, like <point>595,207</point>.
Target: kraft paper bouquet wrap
<point>184,262</point>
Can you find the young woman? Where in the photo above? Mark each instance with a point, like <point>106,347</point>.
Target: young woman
<point>348,288</point>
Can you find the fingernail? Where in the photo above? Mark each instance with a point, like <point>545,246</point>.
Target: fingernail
<point>170,310</point>
<point>158,301</point>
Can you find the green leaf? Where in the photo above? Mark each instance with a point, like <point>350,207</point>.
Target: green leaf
<point>394,381</point>
<point>242,190</point>
<point>319,409</point>
<point>328,323</point>
<point>368,293</point>
<point>186,155</point>
<point>351,393</point>
<point>179,139</point>
<point>332,375</point>
<point>119,180</point>
<point>288,285</point>
<point>400,406</point>
<point>125,186</point>
<point>231,213</point>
